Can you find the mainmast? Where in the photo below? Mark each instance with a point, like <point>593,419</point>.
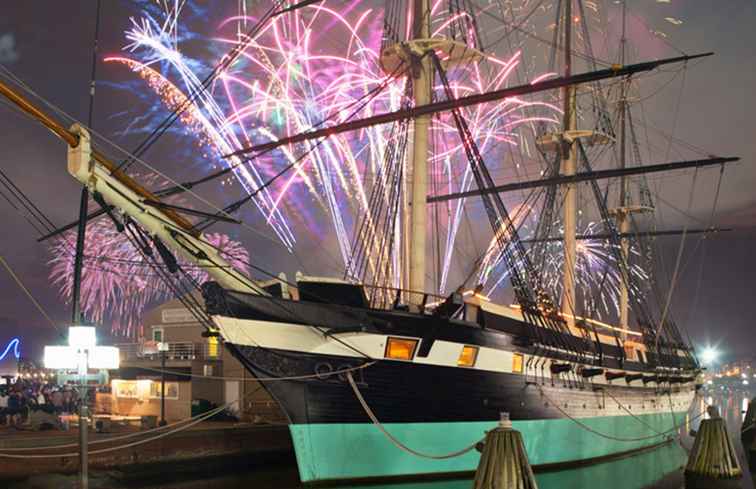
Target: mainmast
<point>623,223</point>
<point>625,209</point>
<point>569,167</point>
<point>422,74</point>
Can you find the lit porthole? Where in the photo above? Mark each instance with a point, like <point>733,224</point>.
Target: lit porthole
<point>468,356</point>
<point>401,348</point>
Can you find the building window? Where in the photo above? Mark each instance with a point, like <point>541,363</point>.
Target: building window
<point>467,356</point>
<point>517,360</point>
<point>125,389</point>
<point>157,334</point>
<point>401,348</point>
<point>171,390</point>
<point>207,370</point>
<point>212,347</point>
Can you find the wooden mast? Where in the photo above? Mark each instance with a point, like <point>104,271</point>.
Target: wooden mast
<point>422,74</point>
<point>569,168</point>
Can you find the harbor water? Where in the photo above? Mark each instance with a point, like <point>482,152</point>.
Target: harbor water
<point>658,468</point>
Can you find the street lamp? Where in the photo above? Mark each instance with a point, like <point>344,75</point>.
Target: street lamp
<point>163,347</point>
<point>82,353</point>
<point>709,355</point>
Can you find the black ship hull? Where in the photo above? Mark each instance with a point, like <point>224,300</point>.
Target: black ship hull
<point>303,354</point>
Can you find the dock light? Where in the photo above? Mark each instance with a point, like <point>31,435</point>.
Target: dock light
<point>82,336</point>
<point>709,355</point>
<point>82,352</point>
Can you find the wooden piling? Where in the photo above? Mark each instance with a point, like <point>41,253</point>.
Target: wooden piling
<point>748,435</point>
<point>713,462</point>
<point>504,462</point>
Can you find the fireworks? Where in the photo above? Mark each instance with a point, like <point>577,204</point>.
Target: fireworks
<point>288,79</point>
<point>305,69</point>
<point>117,283</point>
<point>597,274</point>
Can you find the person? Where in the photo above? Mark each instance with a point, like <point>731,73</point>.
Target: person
<point>57,401</point>
<point>14,408</point>
<point>3,406</point>
<point>41,401</point>
<point>67,400</point>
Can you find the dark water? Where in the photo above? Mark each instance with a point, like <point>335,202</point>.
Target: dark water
<point>660,468</point>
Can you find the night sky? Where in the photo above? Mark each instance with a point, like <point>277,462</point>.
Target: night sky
<point>48,45</point>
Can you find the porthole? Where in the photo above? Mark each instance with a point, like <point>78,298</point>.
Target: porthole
<point>401,348</point>
<point>467,356</point>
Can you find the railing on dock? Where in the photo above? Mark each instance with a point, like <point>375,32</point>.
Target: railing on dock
<point>177,350</point>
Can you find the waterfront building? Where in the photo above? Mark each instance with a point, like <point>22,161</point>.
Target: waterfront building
<point>201,373</point>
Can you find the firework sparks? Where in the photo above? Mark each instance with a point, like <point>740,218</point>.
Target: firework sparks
<point>287,79</point>
<point>117,283</point>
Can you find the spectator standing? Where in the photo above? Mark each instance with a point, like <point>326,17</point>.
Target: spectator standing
<point>14,408</point>
<point>3,406</point>
<point>41,401</point>
<point>57,401</point>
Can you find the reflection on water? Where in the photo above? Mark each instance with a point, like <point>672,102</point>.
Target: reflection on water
<point>660,468</point>
<point>636,472</point>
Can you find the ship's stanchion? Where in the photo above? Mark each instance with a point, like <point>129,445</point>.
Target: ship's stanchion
<point>504,461</point>
<point>713,462</point>
<point>748,435</point>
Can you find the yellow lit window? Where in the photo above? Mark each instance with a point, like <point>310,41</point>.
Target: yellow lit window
<point>467,356</point>
<point>400,348</point>
<point>212,347</point>
<point>517,363</point>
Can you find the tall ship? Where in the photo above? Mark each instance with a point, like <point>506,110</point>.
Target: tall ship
<point>379,372</point>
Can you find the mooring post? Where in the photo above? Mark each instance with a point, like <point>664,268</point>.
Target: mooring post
<point>504,462</point>
<point>748,435</point>
<point>713,462</point>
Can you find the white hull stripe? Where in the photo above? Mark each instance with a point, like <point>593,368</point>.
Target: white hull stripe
<point>308,339</point>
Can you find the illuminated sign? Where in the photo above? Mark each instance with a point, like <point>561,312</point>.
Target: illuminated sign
<point>12,346</point>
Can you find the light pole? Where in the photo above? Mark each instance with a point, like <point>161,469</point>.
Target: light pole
<point>81,354</point>
<point>162,348</point>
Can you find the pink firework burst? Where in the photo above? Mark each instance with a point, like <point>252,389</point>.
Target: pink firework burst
<point>118,283</point>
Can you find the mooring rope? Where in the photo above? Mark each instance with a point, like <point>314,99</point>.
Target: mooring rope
<point>199,419</point>
<point>320,376</point>
<point>612,437</point>
<point>638,418</point>
<point>393,439</point>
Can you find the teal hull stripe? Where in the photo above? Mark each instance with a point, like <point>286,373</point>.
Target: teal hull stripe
<point>360,450</point>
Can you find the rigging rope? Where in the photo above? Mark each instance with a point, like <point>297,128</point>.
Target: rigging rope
<point>673,281</point>
<point>29,295</point>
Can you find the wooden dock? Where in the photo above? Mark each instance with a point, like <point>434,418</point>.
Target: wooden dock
<point>211,443</point>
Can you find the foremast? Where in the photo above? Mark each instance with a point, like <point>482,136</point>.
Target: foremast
<point>415,58</point>
<point>422,79</point>
<point>568,168</point>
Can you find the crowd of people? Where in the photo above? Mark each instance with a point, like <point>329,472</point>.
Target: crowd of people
<point>19,399</point>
